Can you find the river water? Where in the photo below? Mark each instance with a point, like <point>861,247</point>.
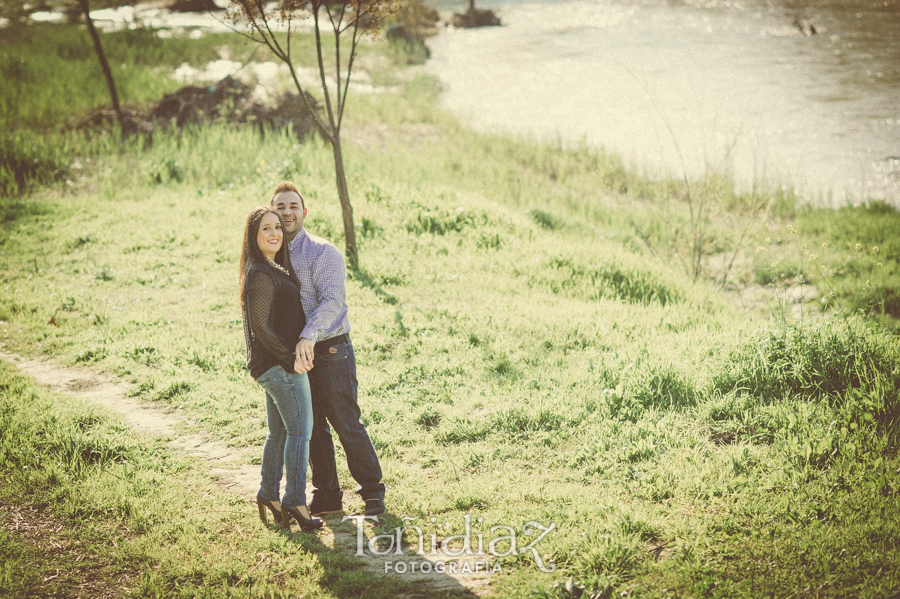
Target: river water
<point>682,86</point>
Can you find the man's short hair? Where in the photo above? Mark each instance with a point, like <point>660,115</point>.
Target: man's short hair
<point>287,186</point>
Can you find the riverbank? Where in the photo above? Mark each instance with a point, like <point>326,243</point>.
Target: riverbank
<point>532,343</point>
<point>736,87</point>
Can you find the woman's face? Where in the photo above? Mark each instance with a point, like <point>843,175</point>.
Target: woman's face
<point>270,235</point>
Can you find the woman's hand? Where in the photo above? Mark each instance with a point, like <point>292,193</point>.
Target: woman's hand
<point>305,350</point>
<point>304,354</point>
<point>301,366</point>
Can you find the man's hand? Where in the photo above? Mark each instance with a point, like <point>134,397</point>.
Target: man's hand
<point>305,352</point>
<point>300,367</point>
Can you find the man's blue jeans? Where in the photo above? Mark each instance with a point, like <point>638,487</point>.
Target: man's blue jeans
<point>290,417</point>
<point>334,387</point>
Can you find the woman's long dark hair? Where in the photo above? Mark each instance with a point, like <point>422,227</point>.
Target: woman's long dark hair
<point>251,253</point>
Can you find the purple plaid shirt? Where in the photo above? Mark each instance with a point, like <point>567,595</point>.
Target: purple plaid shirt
<point>320,267</point>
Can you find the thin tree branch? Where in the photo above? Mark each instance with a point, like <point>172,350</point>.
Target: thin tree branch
<point>284,54</point>
<point>322,76</point>
<point>240,32</point>
<point>643,236</point>
<point>271,39</point>
<point>353,45</point>
<point>323,128</point>
<point>744,235</point>
<point>336,27</point>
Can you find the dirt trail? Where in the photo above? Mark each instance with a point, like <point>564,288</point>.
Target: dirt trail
<point>236,476</point>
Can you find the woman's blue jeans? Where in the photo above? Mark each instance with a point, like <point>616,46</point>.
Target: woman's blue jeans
<point>290,417</point>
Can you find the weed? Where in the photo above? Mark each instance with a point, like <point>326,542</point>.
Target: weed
<point>462,431</point>
<point>429,418</point>
<point>608,279</point>
<point>615,556</point>
<point>173,391</point>
<point>545,219</point>
<point>440,222</point>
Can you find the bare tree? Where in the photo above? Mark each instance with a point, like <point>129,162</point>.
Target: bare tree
<point>347,18</point>
<point>18,10</point>
<point>85,9</point>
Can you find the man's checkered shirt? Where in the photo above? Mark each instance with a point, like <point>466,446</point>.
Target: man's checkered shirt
<point>320,267</point>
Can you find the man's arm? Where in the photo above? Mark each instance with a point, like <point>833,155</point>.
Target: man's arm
<point>328,274</point>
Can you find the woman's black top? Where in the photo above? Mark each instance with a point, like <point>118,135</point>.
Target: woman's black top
<point>273,319</point>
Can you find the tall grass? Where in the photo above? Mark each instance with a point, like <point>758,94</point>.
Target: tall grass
<point>51,73</point>
<point>851,255</point>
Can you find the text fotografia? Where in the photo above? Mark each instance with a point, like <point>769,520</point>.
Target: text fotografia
<point>423,566</point>
<point>502,541</point>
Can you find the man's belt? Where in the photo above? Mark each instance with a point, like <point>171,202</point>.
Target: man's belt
<point>325,344</point>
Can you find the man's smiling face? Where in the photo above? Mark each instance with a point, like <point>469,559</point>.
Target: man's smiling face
<point>290,206</point>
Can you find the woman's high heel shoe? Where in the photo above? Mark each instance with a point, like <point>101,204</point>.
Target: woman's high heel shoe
<point>306,522</point>
<point>274,507</point>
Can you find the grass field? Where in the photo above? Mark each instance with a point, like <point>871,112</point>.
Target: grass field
<point>532,342</point>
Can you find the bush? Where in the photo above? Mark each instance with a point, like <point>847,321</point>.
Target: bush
<point>848,366</point>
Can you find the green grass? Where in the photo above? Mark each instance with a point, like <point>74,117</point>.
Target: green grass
<point>53,74</point>
<point>531,347</point>
<point>131,511</point>
<point>851,255</point>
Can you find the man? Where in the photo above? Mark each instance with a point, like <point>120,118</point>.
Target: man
<point>325,345</point>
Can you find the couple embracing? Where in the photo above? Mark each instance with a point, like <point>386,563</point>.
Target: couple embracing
<point>296,329</point>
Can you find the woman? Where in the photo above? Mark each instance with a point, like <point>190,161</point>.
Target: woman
<point>273,319</point>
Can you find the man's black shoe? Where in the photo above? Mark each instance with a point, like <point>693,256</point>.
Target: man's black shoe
<point>319,507</point>
<point>375,507</point>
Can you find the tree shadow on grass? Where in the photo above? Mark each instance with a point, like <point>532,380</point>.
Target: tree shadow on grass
<point>12,209</point>
<point>348,574</point>
<point>367,279</point>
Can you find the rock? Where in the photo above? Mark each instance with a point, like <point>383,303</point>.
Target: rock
<point>193,104</point>
<point>397,33</point>
<point>194,6</point>
<point>415,21</point>
<point>229,101</point>
<point>804,26</point>
<point>476,18</point>
<point>401,33</point>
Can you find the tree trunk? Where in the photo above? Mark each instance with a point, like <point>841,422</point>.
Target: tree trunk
<point>104,64</point>
<point>346,208</point>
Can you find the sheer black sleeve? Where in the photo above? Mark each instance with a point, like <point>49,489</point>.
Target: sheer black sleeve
<point>260,305</point>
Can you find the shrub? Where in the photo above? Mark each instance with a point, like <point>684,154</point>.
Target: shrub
<point>847,366</point>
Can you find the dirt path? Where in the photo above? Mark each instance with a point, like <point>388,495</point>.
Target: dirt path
<point>235,475</point>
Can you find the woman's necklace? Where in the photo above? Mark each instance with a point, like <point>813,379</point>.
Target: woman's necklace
<point>277,266</point>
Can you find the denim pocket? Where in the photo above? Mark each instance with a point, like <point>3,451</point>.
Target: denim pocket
<point>340,353</point>
<point>275,373</point>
